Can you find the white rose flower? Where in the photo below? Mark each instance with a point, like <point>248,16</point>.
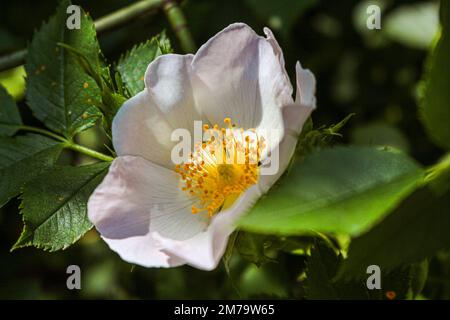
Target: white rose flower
<point>156,213</point>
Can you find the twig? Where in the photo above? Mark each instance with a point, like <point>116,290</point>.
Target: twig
<point>103,24</point>
<point>123,16</point>
<point>179,25</point>
<point>67,143</point>
<point>40,131</point>
<point>13,60</point>
<point>89,152</point>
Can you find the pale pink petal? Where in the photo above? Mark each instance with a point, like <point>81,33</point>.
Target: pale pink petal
<point>205,250</point>
<point>295,116</point>
<point>142,250</point>
<point>240,75</point>
<point>306,87</point>
<point>140,129</point>
<point>140,209</point>
<point>276,47</point>
<point>144,124</point>
<point>168,80</point>
<point>137,198</point>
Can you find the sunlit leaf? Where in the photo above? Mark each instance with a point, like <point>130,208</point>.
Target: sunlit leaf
<point>133,64</point>
<point>14,81</point>
<point>339,190</point>
<point>59,92</point>
<point>9,114</point>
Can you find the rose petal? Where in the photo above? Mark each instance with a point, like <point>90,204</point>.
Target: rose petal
<point>139,129</point>
<point>168,80</point>
<point>143,251</point>
<point>239,74</point>
<point>140,209</point>
<point>295,116</point>
<point>205,250</point>
<point>137,198</point>
<point>276,47</point>
<point>145,123</point>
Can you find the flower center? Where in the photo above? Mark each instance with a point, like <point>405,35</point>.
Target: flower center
<point>222,167</point>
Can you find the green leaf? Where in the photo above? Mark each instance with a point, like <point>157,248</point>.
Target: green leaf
<point>417,229</point>
<point>321,282</point>
<point>395,284</point>
<point>341,190</point>
<point>9,114</point>
<point>419,275</point>
<point>251,247</point>
<point>438,284</point>
<point>311,139</point>
<point>133,64</point>
<point>111,104</point>
<point>13,80</point>
<point>112,92</point>
<point>267,281</point>
<point>321,267</point>
<point>23,158</point>
<point>228,254</point>
<point>434,106</point>
<point>59,91</point>
<point>54,206</point>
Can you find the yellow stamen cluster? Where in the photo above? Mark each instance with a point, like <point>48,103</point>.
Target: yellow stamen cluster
<point>223,166</point>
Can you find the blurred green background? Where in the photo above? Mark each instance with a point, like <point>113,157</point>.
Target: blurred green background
<point>372,73</point>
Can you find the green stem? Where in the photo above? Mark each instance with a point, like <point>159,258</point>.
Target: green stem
<point>111,21</point>
<point>13,60</point>
<point>67,143</point>
<point>437,169</point>
<point>89,152</point>
<point>179,25</point>
<point>41,131</point>
<point>123,16</point>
